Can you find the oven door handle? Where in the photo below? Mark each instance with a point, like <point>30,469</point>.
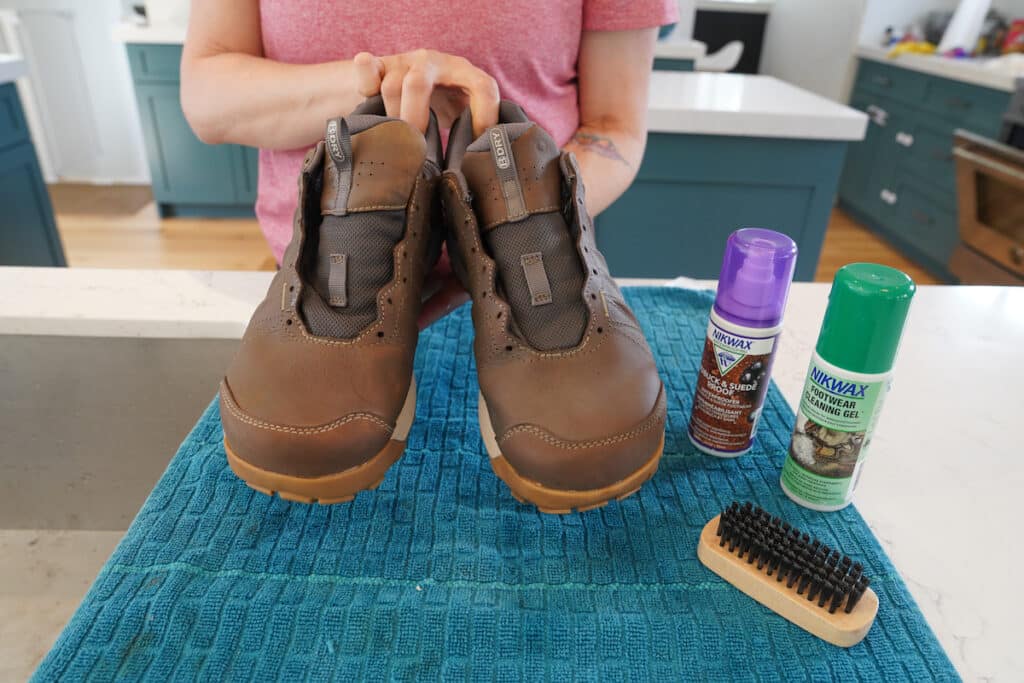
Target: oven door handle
<point>990,164</point>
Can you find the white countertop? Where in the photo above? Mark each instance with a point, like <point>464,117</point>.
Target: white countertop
<point>165,34</point>
<point>674,48</point>
<point>12,68</point>
<point>693,103</point>
<point>746,6</point>
<point>946,468</point>
<point>972,71</point>
<point>745,105</point>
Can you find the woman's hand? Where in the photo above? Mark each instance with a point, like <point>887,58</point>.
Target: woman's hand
<point>412,83</point>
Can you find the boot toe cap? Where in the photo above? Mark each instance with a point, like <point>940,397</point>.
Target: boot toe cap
<point>562,462</point>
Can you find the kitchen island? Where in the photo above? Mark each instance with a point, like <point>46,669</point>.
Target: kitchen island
<point>90,353</point>
<point>28,234</point>
<point>723,151</point>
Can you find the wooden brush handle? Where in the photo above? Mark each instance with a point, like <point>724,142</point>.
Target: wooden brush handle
<point>840,628</point>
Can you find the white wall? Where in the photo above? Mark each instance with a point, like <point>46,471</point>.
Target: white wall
<point>810,43</point>
<point>82,88</point>
<point>900,13</point>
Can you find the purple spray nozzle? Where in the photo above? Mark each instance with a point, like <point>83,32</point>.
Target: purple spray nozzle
<point>756,272</point>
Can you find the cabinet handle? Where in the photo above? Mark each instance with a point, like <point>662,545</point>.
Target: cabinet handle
<point>921,217</point>
<point>888,196</point>
<point>958,103</point>
<point>905,139</point>
<point>1017,255</point>
<point>883,81</point>
<point>878,115</point>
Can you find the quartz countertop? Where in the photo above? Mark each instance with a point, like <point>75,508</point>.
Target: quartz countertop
<point>152,34</point>
<point>674,48</point>
<point>745,6</point>
<point>972,71</point>
<point>12,67</point>
<point>940,491</point>
<point>692,102</point>
<point>746,105</point>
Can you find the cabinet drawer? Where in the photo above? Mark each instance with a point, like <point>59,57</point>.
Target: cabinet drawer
<point>920,218</point>
<point>155,63</point>
<point>12,120</point>
<point>925,148</point>
<point>970,106</point>
<point>902,84</point>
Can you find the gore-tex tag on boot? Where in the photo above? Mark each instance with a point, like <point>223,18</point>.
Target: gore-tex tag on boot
<point>508,178</point>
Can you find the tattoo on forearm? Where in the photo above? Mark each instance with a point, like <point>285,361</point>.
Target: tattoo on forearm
<point>600,144</point>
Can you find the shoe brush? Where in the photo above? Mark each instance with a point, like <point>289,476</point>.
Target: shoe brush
<point>812,585</point>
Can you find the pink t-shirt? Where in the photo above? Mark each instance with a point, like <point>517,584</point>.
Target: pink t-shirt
<point>530,47</point>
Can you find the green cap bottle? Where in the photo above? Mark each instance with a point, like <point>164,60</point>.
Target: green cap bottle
<point>848,379</point>
<point>867,308</point>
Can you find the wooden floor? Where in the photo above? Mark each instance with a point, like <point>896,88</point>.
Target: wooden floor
<point>118,227</point>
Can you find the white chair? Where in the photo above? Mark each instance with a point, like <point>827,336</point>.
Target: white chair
<point>725,59</point>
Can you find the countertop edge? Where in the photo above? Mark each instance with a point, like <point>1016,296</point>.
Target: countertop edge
<point>12,67</point>
<point>943,67</point>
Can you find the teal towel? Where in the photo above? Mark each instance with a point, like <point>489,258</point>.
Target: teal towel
<point>441,574</point>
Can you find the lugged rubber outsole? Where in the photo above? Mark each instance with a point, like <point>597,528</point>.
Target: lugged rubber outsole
<point>337,487</point>
<point>561,501</point>
<point>340,487</point>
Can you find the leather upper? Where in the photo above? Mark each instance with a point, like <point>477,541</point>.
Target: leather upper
<point>304,405</point>
<point>579,418</point>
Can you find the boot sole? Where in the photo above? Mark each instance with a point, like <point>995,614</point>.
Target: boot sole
<point>338,487</point>
<point>561,501</point>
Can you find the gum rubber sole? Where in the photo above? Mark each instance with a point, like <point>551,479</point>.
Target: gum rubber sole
<point>338,487</point>
<point>561,501</point>
<point>326,490</point>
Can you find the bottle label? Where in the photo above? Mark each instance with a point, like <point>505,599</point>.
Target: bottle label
<point>733,382</point>
<point>833,430</point>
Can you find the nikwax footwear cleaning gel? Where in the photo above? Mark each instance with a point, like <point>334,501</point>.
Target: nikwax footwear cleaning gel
<point>742,339</point>
<point>850,374</point>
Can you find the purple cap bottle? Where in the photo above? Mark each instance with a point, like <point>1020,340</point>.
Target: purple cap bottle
<point>756,272</point>
<point>742,339</point>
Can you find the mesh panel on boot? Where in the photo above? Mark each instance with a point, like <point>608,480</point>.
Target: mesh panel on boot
<point>368,241</point>
<point>560,324</point>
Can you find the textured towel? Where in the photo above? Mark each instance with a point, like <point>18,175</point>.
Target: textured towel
<point>440,573</point>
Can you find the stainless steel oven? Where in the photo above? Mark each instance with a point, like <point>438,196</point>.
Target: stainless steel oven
<point>990,195</point>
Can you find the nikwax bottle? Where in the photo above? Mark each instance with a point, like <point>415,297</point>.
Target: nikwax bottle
<point>849,377</point>
<point>742,339</point>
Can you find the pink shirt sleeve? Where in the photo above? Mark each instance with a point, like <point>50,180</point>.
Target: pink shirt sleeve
<point>623,15</point>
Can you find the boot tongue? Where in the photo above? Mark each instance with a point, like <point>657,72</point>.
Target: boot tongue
<point>513,173</point>
<point>354,256</point>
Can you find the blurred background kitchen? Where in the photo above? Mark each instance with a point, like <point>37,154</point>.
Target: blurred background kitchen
<point>923,170</point>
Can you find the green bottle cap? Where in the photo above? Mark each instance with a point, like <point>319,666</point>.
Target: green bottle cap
<point>867,307</point>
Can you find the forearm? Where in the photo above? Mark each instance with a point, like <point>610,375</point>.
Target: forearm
<point>241,98</point>
<point>609,157</point>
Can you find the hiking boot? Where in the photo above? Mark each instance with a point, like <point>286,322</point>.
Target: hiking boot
<point>571,407</point>
<point>317,403</point>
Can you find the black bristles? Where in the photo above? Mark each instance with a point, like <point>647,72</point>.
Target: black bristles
<point>813,569</point>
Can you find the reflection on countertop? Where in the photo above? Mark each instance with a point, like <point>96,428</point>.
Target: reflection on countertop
<point>746,105</point>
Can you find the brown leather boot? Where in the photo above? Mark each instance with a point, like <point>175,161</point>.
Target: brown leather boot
<point>320,397</point>
<point>572,410</point>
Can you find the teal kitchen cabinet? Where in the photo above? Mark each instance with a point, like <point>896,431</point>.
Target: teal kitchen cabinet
<point>28,233</point>
<point>900,181</point>
<point>693,190</point>
<point>673,64</point>
<point>190,178</point>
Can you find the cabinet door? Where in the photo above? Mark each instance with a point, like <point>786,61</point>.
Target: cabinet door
<point>246,165</point>
<point>864,157</point>
<point>184,169</point>
<point>28,235</point>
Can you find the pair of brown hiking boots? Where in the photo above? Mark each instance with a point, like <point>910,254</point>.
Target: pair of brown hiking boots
<point>320,398</point>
